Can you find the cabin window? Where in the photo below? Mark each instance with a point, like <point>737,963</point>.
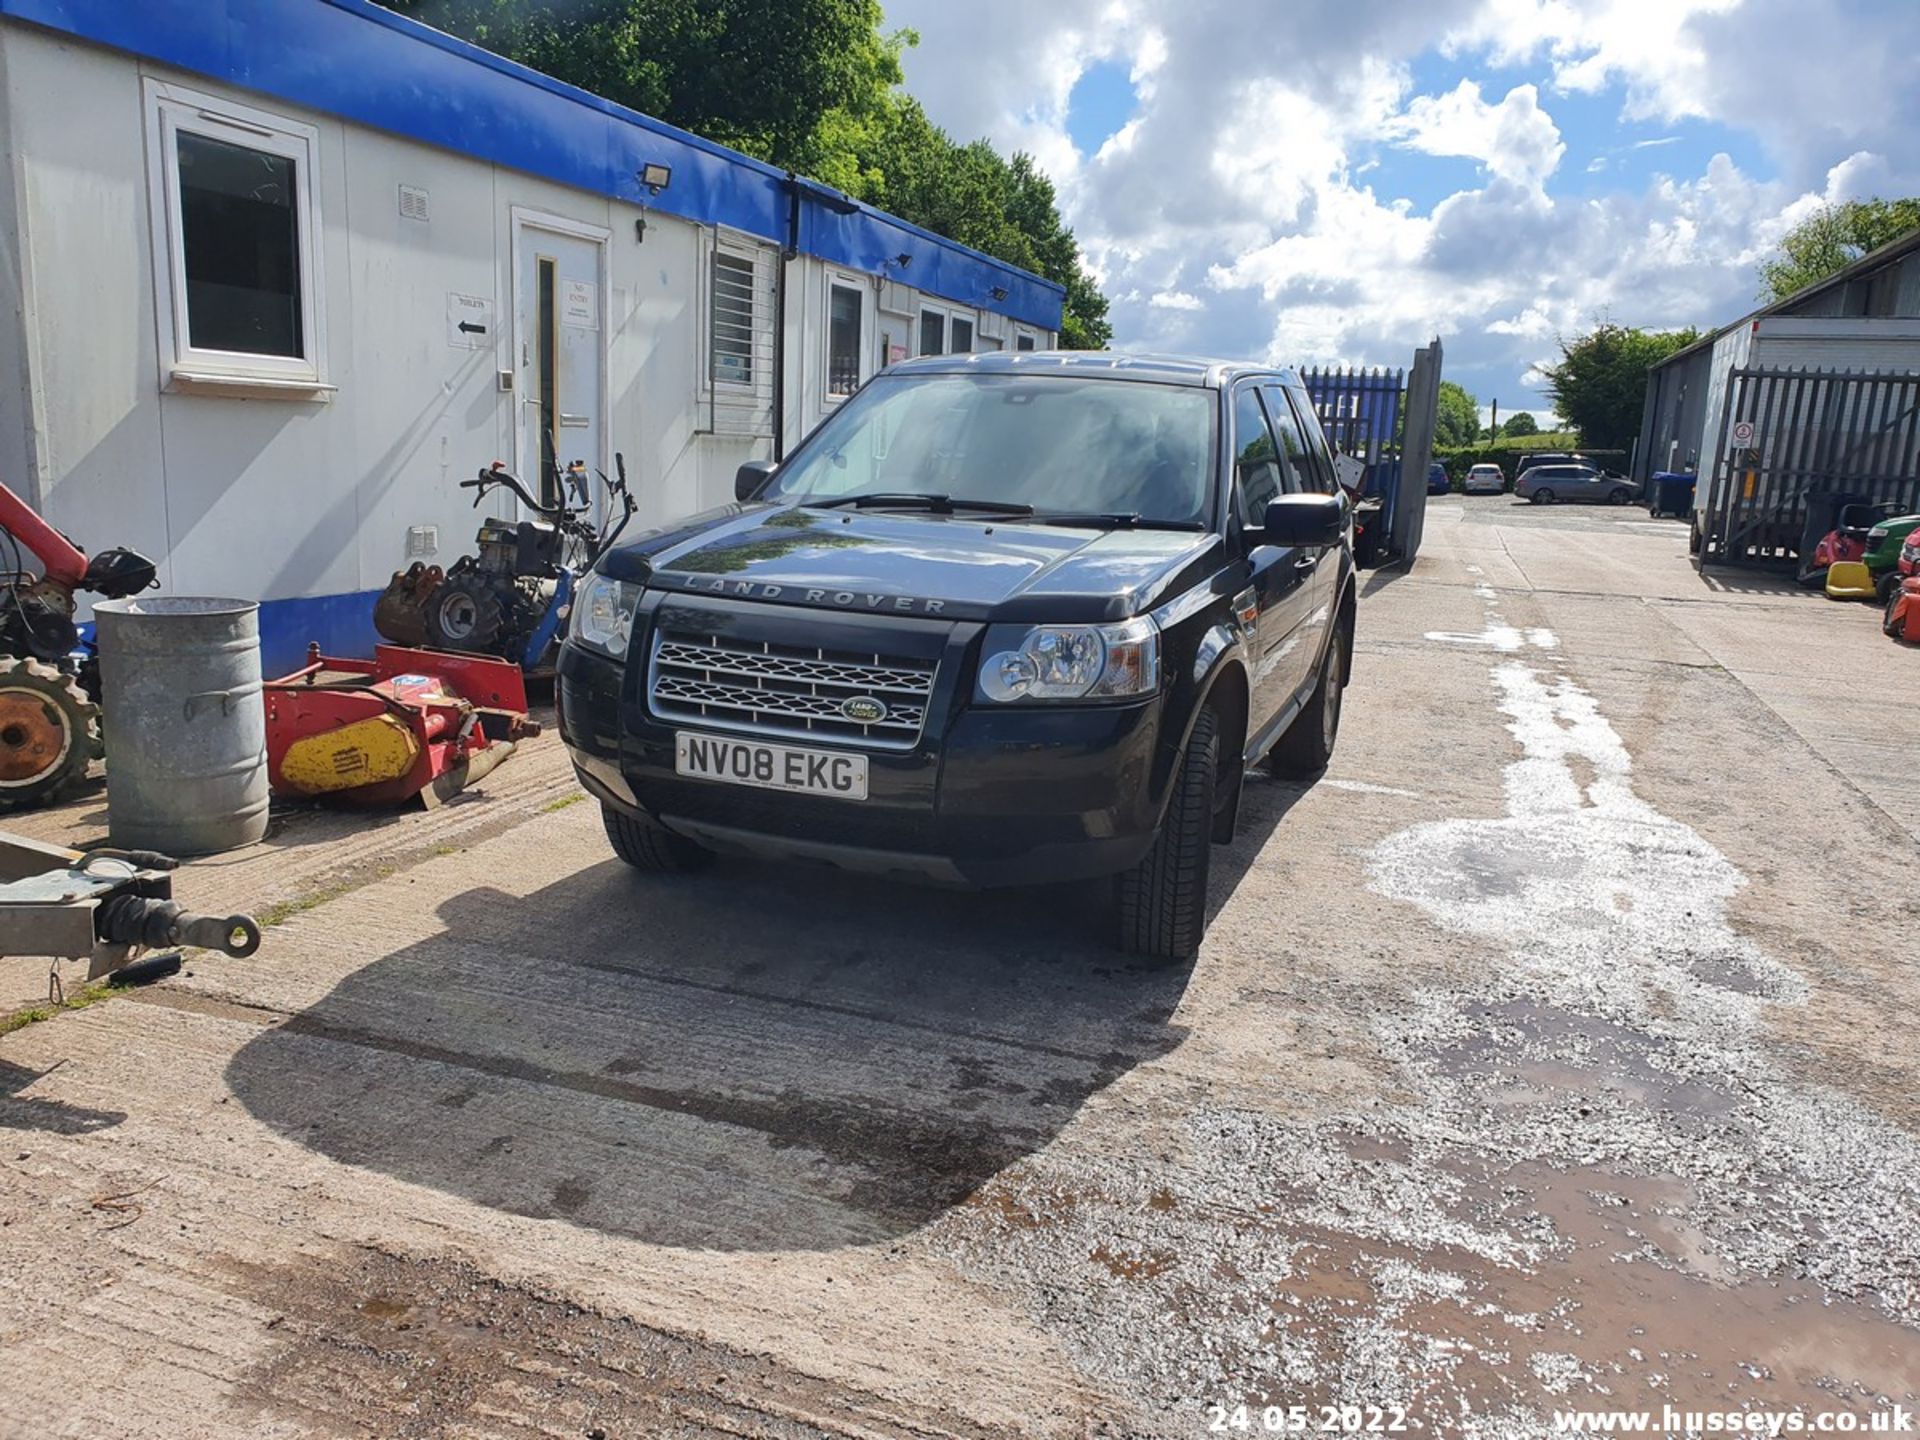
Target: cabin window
<point>843,340</point>
<point>236,227</point>
<point>733,319</point>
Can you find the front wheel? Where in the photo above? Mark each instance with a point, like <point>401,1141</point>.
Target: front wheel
<point>1619,496</point>
<point>652,848</point>
<point>1162,901</point>
<point>1541,497</point>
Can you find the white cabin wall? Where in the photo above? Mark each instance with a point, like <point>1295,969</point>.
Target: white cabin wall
<point>94,462</point>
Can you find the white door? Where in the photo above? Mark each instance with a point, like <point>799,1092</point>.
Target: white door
<point>560,332</point>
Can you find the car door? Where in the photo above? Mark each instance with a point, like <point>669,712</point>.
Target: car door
<point>1587,484</point>
<point>1279,594</point>
<point>1312,462</point>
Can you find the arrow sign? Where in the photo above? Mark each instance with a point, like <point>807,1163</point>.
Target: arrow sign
<point>468,319</point>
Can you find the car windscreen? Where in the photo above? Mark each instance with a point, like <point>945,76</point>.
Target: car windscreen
<point>1057,443</point>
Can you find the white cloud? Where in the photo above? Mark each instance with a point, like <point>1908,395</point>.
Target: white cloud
<point>1176,300</point>
<point>1515,140</point>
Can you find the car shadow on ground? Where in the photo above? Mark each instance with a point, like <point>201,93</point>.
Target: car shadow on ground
<point>758,1057</point>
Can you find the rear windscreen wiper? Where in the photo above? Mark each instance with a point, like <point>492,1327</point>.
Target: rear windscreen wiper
<point>1118,520</point>
<point>936,504</point>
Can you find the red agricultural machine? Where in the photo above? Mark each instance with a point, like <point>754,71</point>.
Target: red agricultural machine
<point>381,731</point>
<point>49,680</point>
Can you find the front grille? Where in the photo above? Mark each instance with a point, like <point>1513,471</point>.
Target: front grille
<point>788,690</point>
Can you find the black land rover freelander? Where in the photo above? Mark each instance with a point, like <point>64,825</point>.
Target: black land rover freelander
<point>1001,619</point>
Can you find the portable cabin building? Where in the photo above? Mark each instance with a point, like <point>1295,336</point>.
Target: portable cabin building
<point>276,277</point>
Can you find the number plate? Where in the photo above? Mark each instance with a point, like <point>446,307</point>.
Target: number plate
<point>771,767</point>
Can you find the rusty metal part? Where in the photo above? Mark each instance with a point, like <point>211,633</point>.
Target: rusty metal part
<point>49,730</point>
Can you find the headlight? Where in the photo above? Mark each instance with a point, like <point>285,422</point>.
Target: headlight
<point>602,617</point>
<point>1071,662</point>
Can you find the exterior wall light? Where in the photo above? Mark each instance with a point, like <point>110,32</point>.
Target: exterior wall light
<point>656,177</point>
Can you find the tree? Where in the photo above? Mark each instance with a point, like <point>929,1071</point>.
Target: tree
<point>1458,420</point>
<point>808,85</point>
<point>1832,238</point>
<point>1521,422</point>
<point>1600,384</point>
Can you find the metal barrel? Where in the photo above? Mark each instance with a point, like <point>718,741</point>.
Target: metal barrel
<point>185,723</point>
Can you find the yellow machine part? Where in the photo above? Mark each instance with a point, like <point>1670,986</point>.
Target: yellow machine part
<point>365,752</point>
<point>1850,580</point>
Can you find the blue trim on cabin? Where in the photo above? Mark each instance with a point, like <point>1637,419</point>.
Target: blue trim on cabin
<point>427,86</point>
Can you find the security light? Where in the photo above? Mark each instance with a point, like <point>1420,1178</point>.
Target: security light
<point>656,177</point>
<point>999,292</point>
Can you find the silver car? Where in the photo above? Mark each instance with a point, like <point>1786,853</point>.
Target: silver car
<point>1549,484</point>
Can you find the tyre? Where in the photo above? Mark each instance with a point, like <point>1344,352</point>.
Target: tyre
<point>1889,625</point>
<point>1620,495</point>
<point>1541,497</point>
<point>1888,587</point>
<point>1162,902</point>
<point>464,613</point>
<point>1308,744</point>
<point>49,731</point>
<point>649,847</point>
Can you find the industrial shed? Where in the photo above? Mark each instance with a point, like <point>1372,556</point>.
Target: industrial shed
<point>1863,318</point>
<point>275,278</point>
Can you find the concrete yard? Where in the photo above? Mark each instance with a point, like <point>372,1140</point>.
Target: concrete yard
<point>1555,1050</point>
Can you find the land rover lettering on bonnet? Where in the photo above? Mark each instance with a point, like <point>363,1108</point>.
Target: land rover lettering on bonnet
<point>1002,619</point>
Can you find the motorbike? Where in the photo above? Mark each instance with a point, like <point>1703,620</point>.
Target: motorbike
<point>508,599</point>
<point>49,676</point>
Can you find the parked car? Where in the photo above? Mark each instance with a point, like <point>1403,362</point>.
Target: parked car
<point>1546,484</point>
<point>1485,479</point>
<point>1002,619</point>
<point>1438,481</point>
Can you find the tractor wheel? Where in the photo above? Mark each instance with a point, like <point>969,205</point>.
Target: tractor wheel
<point>465,613</point>
<point>49,730</point>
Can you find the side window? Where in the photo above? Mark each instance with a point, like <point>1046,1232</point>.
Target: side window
<point>1257,476</point>
<point>1023,342</point>
<point>1301,474</point>
<point>1319,457</point>
<point>234,213</point>
<point>962,335</point>
<point>843,340</point>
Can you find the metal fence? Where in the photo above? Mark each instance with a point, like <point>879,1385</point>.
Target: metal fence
<point>1384,419</point>
<point>1795,441</point>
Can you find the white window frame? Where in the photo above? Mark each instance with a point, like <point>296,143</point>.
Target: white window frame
<point>171,109</point>
<point>948,314</point>
<point>859,284</point>
<point>731,407</point>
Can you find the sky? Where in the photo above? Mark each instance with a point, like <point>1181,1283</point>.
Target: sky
<point>1338,181</point>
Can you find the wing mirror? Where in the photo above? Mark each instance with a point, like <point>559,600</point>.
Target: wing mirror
<point>1306,520</point>
<point>751,478</point>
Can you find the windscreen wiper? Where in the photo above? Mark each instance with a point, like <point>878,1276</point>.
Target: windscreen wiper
<point>1116,520</point>
<point>934,504</point>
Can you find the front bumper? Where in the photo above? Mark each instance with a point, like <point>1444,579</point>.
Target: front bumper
<point>987,797</point>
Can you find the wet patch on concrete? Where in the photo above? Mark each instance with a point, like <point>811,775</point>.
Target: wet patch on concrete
<point>1600,1189</point>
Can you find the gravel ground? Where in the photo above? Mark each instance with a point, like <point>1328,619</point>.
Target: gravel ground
<point>1552,1051</point>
